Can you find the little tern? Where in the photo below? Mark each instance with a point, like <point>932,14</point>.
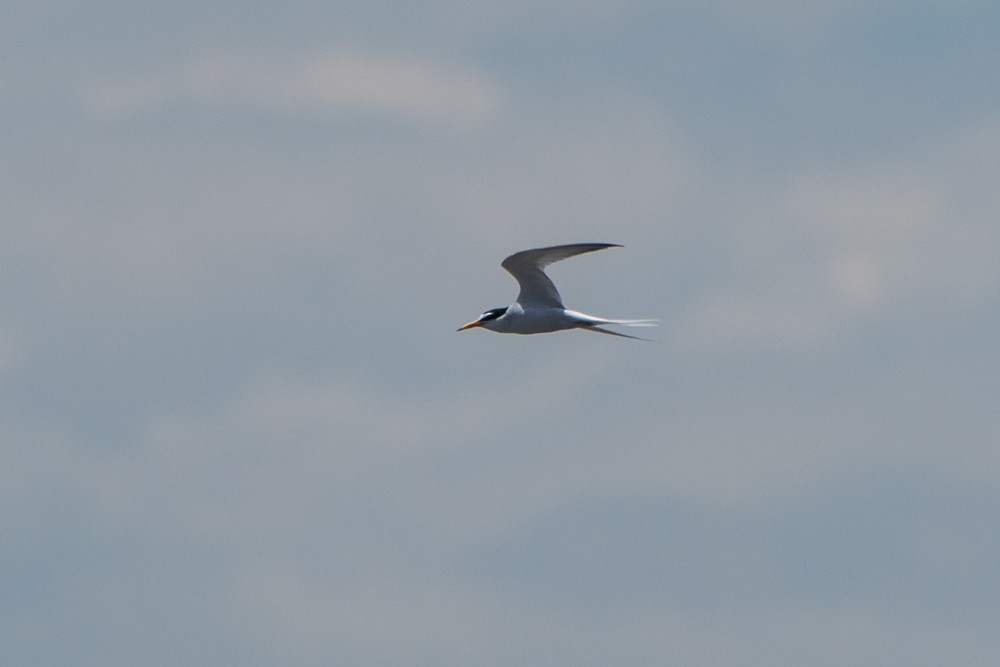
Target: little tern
<point>539,308</point>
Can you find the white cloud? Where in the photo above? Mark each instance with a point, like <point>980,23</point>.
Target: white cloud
<point>834,248</point>
<point>880,232</point>
<point>402,88</point>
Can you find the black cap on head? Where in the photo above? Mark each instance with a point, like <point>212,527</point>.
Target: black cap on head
<point>492,314</point>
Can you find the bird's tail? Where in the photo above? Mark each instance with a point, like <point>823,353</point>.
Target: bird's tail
<point>633,323</point>
<point>600,321</point>
<point>591,323</point>
<point>613,333</point>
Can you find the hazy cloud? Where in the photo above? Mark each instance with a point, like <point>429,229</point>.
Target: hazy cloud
<point>400,88</point>
<point>856,244</point>
<point>239,425</point>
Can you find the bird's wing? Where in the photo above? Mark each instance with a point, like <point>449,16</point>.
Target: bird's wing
<point>528,269</point>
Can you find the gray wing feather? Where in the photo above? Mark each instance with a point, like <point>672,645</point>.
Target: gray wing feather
<point>528,269</point>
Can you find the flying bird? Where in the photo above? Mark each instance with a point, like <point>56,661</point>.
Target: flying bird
<point>539,308</point>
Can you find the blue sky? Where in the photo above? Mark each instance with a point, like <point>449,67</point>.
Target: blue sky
<point>240,428</point>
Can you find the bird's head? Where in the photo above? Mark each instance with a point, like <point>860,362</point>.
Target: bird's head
<point>491,314</point>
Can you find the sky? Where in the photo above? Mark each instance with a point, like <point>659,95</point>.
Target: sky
<point>239,427</point>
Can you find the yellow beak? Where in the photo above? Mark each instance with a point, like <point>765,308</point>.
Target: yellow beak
<point>471,325</point>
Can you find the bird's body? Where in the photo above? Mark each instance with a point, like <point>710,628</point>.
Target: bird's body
<point>539,307</point>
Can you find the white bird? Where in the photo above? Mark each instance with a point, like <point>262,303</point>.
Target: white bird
<point>539,308</point>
